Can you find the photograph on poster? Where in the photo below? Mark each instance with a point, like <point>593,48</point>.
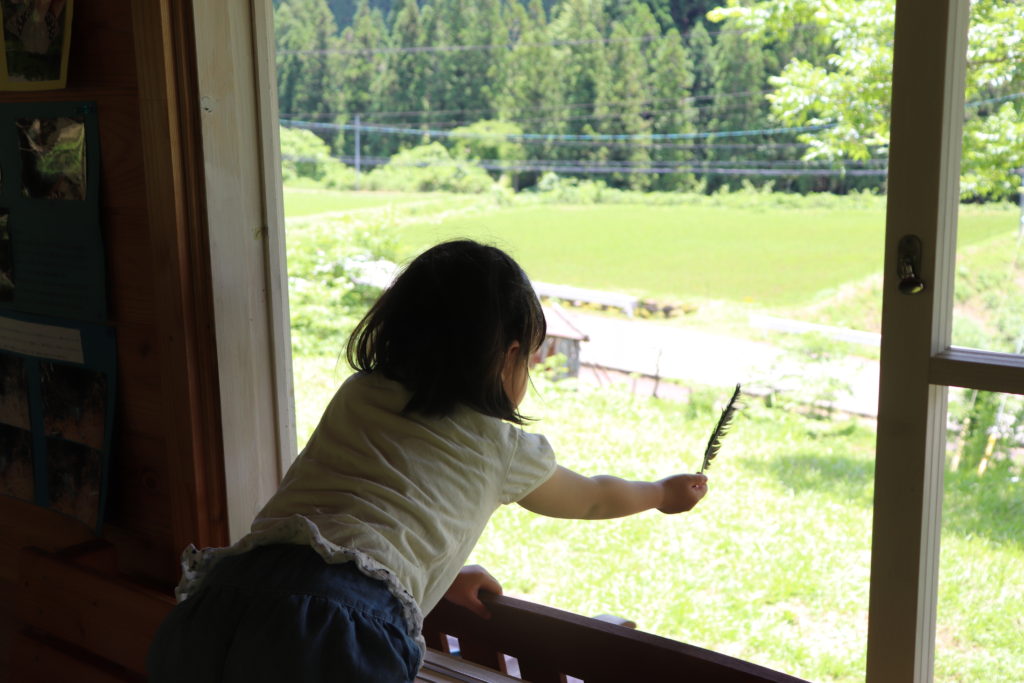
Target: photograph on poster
<point>74,403</point>
<point>14,409</point>
<point>73,479</point>
<point>6,258</point>
<point>34,38</point>
<point>53,157</point>
<point>16,471</point>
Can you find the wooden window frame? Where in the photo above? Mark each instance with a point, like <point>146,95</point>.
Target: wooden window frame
<point>234,38</point>
<point>918,361</point>
<point>237,103</point>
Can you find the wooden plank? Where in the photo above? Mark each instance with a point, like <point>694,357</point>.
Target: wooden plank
<point>591,649</point>
<point>8,589</point>
<point>108,616</point>
<point>440,667</point>
<point>37,659</point>
<point>251,415</point>
<point>142,498</point>
<point>481,651</point>
<point>265,69</point>
<point>974,369</point>
<point>172,152</point>
<point>23,524</point>
<point>148,555</point>
<point>539,671</point>
<point>102,51</point>
<point>923,199</point>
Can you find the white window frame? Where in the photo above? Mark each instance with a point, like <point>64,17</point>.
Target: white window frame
<point>918,361</point>
<point>242,164</point>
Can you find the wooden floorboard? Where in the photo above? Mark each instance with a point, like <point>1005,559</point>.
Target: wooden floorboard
<point>7,589</point>
<point>439,667</point>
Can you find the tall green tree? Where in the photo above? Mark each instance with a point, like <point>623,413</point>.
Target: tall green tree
<point>403,90</point>
<point>738,81</point>
<point>579,27</point>
<point>531,92</point>
<point>309,67</point>
<point>628,99</point>
<point>364,71</point>
<point>465,35</point>
<point>699,45</point>
<point>671,77</point>
<point>852,93</point>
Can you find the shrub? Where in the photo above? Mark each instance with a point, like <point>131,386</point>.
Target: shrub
<point>429,168</point>
<point>304,155</point>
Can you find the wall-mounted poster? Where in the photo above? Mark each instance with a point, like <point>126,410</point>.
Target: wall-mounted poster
<point>53,157</point>
<point>57,353</point>
<point>57,384</point>
<point>51,248</point>
<point>36,39</point>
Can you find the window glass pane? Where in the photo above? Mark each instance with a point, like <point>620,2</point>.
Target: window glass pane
<point>989,305</point>
<point>686,232</point>
<point>981,586</point>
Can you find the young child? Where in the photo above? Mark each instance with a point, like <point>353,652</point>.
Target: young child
<point>373,521</point>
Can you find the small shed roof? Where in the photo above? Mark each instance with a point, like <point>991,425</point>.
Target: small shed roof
<point>560,324</point>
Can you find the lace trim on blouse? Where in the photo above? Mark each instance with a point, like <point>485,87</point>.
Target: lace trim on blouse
<point>196,564</point>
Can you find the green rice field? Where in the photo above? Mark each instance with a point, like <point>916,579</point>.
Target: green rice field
<point>769,255</point>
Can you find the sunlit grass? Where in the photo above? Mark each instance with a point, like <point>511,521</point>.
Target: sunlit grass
<point>757,251</point>
<point>773,566</point>
<point>749,572</point>
<point>311,201</point>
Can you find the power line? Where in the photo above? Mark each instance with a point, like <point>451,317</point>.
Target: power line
<point>995,100</point>
<point>429,132</point>
<point>605,168</point>
<point>632,144</point>
<point>565,105</point>
<point>650,113</point>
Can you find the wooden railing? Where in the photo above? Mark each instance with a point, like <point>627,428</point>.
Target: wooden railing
<point>546,645</point>
<point>78,619</point>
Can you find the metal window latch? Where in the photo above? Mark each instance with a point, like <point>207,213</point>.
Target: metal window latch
<point>908,264</point>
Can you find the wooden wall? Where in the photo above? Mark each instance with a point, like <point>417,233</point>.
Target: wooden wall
<point>134,58</point>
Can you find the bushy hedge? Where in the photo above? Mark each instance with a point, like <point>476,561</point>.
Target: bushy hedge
<point>307,160</point>
<point>429,168</point>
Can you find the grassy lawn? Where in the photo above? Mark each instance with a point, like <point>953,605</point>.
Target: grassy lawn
<point>773,566</point>
<point>307,202</point>
<point>760,254</point>
<point>299,202</point>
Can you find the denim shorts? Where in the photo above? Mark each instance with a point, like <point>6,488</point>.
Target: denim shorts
<point>280,613</point>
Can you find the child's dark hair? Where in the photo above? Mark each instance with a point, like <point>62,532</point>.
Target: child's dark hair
<point>443,328</point>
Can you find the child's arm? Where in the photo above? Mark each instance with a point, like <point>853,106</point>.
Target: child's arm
<point>570,495</point>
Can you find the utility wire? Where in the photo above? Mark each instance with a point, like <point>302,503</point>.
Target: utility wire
<point>610,167</point>
<point>559,107</point>
<point>652,114</point>
<point>429,132</point>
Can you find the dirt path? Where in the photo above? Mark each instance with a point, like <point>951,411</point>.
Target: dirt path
<point>673,352</point>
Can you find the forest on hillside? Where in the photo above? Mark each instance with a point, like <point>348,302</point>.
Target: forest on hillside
<point>642,94</point>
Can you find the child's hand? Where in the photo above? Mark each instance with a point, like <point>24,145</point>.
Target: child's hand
<point>465,589</point>
<point>681,492</point>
